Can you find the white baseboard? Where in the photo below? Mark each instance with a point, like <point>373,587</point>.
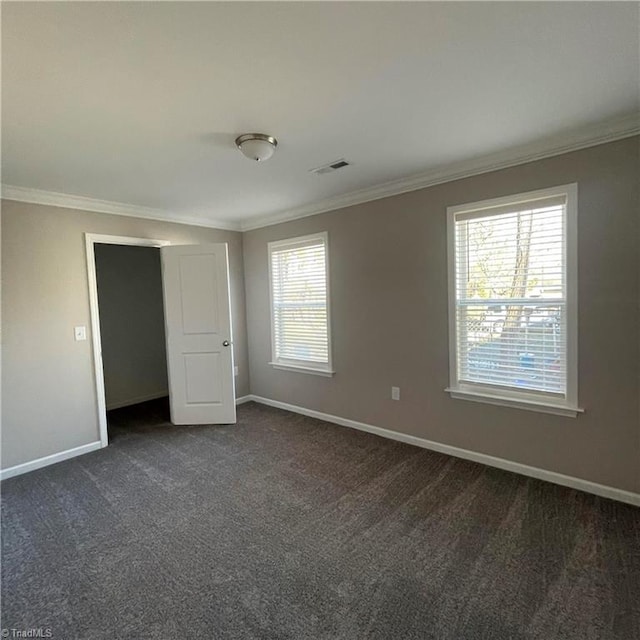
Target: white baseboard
<point>137,400</point>
<point>47,460</point>
<point>500,463</point>
<point>243,399</point>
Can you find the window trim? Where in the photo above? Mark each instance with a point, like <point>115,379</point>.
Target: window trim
<point>478,392</point>
<point>287,364</point>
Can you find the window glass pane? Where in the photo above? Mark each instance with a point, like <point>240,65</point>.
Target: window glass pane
<point>299,301</point>
<point>520,346</point>
<point>511,299</point>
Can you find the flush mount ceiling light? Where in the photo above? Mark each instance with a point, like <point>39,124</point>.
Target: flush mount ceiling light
<point>257,146</point>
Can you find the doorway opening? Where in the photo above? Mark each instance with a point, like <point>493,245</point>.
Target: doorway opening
<point>128,329</point>
<point>132,333</point>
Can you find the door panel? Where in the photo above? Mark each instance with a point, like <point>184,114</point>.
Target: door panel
<point>202,378</point>
<point>198,297</point>
<point>198,320</point>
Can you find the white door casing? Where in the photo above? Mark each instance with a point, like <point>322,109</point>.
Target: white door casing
<point>198,332</point>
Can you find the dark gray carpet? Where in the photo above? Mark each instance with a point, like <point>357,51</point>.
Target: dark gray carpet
<point>287,527</point>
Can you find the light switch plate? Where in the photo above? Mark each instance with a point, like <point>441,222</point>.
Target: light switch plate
<point>80,333</point>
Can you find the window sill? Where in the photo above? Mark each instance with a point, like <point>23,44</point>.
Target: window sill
<point>519,403</point>
<point>301,369</point>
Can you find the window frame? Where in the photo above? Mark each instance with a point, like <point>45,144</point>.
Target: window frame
<point>288,364</point>
<point>509,397</point>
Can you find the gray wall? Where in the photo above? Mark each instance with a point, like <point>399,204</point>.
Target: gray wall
<point>389,320</point>
<point>134,356</point>
<point>48,388</point>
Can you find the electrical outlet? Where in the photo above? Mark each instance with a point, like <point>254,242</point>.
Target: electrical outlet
<point>395,393</point>
<point>236,370</point>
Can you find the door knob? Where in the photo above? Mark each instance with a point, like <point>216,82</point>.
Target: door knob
<point>225,343</point>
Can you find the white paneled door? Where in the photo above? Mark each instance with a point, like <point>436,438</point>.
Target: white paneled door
<point>198,327</point>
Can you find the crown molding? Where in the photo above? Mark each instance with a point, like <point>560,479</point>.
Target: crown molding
<point>67,201</point>
<point>603,132</point>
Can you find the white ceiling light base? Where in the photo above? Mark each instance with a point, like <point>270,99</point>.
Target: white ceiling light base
<point>257,146</point>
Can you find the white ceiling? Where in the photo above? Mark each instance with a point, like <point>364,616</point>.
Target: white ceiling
<point>139,103</point>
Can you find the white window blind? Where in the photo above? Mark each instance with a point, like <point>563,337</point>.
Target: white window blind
<point>510,296</point>
<point>299,302</point>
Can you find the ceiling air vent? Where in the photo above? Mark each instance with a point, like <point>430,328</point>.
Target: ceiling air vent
<point>332,166</point>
